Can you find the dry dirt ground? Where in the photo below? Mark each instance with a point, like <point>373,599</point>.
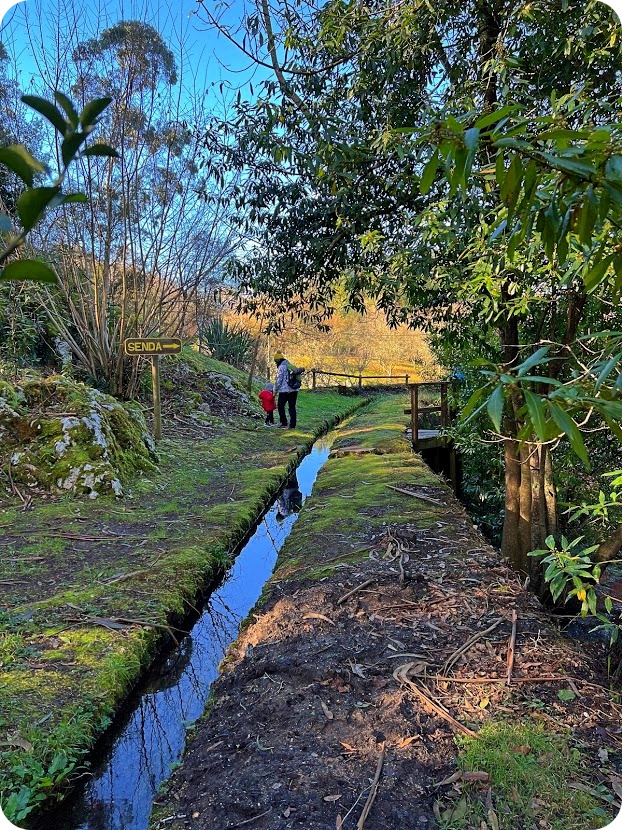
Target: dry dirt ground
<point>383,642</point>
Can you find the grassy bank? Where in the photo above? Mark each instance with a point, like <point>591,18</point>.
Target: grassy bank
<point>90,588</point>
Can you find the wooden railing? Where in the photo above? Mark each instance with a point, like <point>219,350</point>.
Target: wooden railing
<point>416,410</point>
<point>315,373</point>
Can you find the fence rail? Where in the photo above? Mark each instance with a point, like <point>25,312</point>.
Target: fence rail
<point>316,373</point>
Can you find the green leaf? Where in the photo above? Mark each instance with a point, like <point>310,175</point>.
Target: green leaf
<point>28,269</point>
<point>70,146</point>
<point>566,165</point>
<point>66,104</point>
<point>537,414</point>
<point>500,168</point>
<point>566,694</point>
<point>606,371</point>
<point>613,169</point>
<point>100,150</point>
<point>93,110</point>
<point>73,197</point>
<point>469,410</point>
<point>512,183</point>
<point>47,110</point>
<point>429,172</point>
<point>17,158</point>
<point>471,139</point>
<point>568,426</point>
<point>536,359</point>
<point>561,132</point>
<point>495,407</point>
<point>597,273</point>
<point>494,117</point>
<point>32,204</point>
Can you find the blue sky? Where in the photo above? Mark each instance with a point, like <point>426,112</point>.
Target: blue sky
<point>210,59</point>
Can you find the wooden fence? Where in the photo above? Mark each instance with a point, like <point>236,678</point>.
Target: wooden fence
<point>318,374</point>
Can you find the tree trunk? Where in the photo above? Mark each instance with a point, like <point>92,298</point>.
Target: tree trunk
<point>510,540</point>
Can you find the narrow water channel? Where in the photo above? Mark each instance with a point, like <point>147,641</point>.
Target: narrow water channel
<point>151,739</point>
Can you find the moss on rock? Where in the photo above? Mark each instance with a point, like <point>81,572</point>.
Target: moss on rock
<point>60,435</point>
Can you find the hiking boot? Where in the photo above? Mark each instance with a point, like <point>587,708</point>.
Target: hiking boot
<point>283,426</point>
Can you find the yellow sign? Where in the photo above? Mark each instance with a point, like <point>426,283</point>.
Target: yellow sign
<point>137,346</point>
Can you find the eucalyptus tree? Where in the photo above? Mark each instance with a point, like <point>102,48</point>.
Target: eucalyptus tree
<point>391,153</point>
<point>157,224</point>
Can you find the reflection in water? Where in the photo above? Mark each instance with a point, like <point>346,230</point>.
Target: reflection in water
<point>120,793</point>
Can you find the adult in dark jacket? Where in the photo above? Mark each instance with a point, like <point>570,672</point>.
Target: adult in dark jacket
<point>286,395</point>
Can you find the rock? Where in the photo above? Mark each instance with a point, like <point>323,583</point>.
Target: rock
<point>61,435</point>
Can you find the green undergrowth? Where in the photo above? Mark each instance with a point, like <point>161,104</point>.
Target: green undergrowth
<point>63,672</point>
<point>531,773</point>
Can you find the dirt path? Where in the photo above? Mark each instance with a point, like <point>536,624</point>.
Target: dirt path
<point>369,687</point>
<point>87,588</point>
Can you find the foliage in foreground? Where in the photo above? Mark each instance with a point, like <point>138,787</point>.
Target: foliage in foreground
<point>73,129</point>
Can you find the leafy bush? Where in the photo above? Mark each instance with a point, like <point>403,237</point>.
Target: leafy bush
<point>231,344</point>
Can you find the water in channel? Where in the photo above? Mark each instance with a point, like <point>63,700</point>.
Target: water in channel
<point>122,785</point>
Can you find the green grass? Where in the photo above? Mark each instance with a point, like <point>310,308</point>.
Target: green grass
<point>530,773</point>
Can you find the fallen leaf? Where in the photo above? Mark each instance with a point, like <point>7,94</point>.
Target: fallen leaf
<point>339,823</point>
<point>475,776</point>
<point>484,702</point>
<point>524,749</point>
<point>318,617</point>
<point>332,797</point>
<point>196,815</point>
<point>492,818</point>
<point>105,622</point>
<point>603,755</point>
<point>347,746</point>
<point>566,694</point>
<point>287,812</point>
<point>326,710</point>
<point>16,740</point>
<point>407,741</point>
<point>515,795</point>
<point>452,778</point>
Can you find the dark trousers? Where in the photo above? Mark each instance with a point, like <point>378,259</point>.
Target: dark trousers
<point>288,398</point>
<point>270,417</point>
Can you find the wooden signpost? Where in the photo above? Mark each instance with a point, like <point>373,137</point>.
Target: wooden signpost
<point>154,347</point>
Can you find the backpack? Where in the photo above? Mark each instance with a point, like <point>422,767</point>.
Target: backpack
<point>294,379</point>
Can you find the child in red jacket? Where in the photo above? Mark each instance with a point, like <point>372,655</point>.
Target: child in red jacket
<point>268,401</point>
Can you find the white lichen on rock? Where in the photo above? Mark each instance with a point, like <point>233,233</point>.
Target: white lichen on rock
<point>92,451</point>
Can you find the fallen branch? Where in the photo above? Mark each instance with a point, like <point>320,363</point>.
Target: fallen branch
<point>511,646</point>
<point>249,820</point>
<point>358,588</point>
<point>373,792</point>
<point>416,495</point>
<point>401,675</point>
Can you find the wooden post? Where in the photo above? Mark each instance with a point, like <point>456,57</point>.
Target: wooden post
<point>157,404</point>
<point>313,379</point>
<point>414,411</point>
<point>360,381</point>
<point>407,376</point>
<point>444,409</point>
